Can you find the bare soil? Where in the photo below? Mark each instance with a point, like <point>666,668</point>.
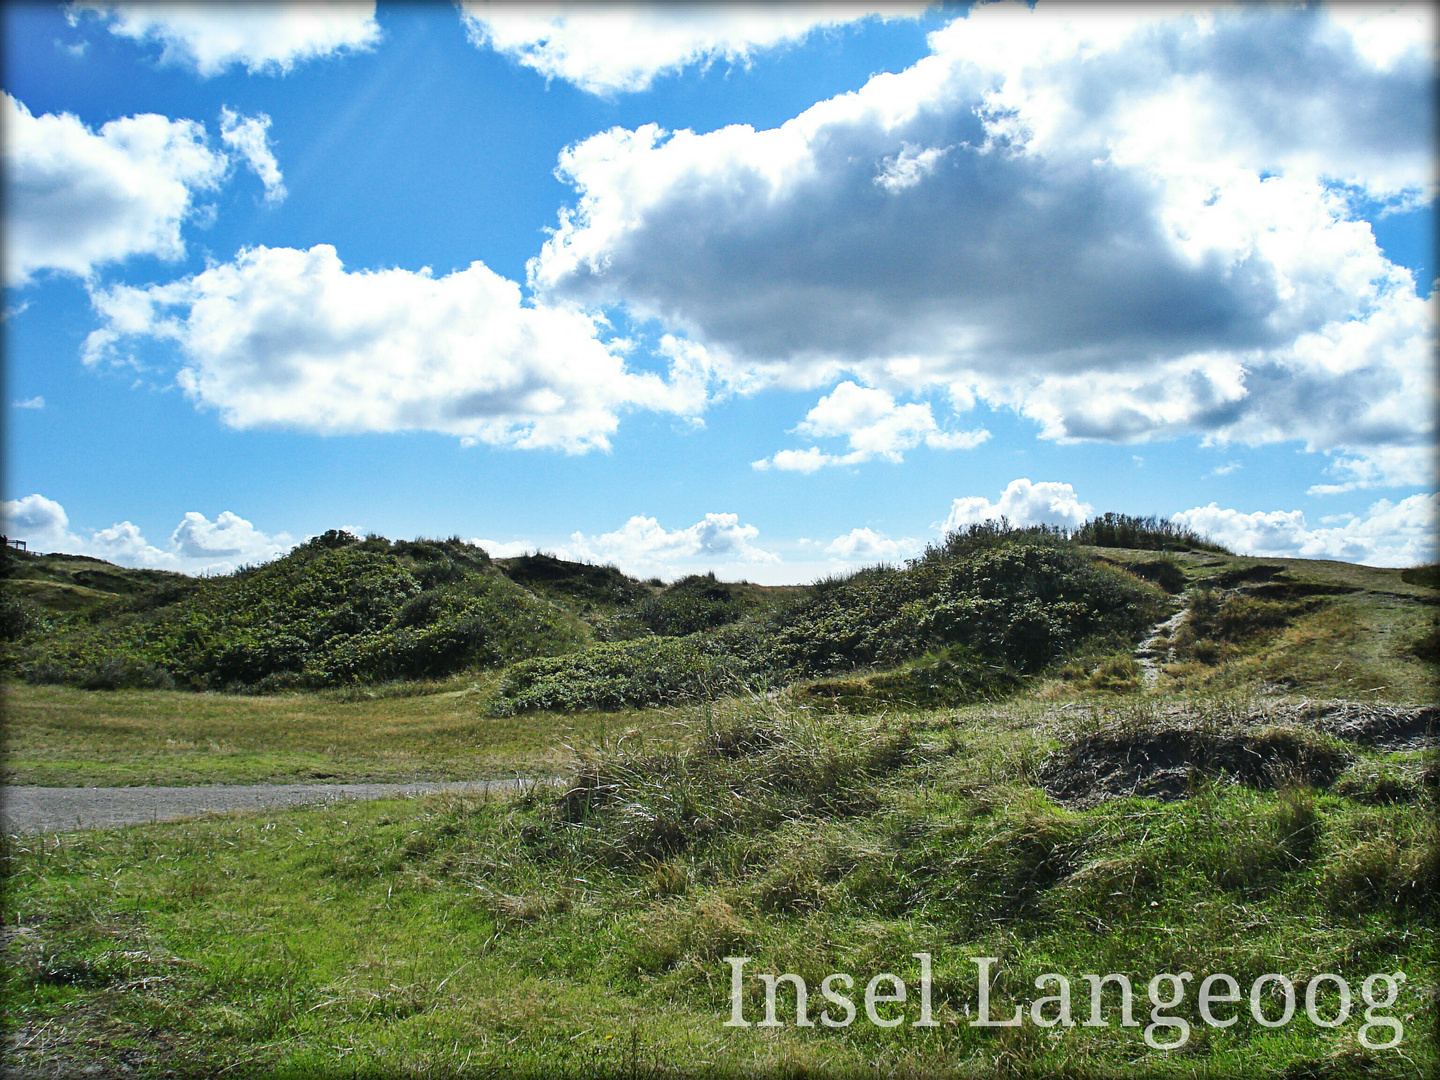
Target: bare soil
<point>1163,757</point>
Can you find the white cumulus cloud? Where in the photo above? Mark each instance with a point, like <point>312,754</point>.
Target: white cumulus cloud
<point>1123,223</point>
<point>197,546</point>
<point>874,425</point>
<point>609,48</point>
<point>1387,534</point>
<point>643,547</point>
<point>289,338</point>
<point>78,199</point>
<point>505,549</point>
<point>1023,503</point>
<point>250,137</point>
<point>262,37</point>
<point>869,546</point>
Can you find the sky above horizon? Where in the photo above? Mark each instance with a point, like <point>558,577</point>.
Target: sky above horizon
<point>769,290</point>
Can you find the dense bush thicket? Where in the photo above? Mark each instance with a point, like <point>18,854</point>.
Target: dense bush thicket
<point>1143,533</point>
<point>614,675</point>
<point>336,610</point>
<point>692,604</point>
<point>1009,601</point>
<point>1022,602</point>
<point>580,584</point>
<point>985,605</point>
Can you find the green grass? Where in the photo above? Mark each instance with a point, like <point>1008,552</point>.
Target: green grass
<point>585,935</point>
<point>64,737</point>
<point>812,830</point>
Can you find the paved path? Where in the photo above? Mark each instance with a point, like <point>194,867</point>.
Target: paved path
<point>53,809</point>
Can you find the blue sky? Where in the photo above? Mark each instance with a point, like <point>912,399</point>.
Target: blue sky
<point>767,291</point>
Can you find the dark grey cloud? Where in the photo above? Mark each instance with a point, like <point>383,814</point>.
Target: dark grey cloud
<point>1158,210</point>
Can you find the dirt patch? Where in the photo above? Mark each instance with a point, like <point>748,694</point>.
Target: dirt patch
<point>1228,578</point>
<point>1163,756</point>
<point>1384,727</point>
<point>1165,762</point>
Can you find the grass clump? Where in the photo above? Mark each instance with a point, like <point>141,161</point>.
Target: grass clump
<point>1220,626</point>
<point>948,677</point>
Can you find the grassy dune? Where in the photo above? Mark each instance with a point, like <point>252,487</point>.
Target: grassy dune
<point>1267,805</point>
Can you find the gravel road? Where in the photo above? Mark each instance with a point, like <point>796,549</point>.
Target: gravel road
<point>28,809</point>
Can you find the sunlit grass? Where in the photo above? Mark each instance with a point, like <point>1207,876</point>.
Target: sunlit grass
<point>584,935</point>
<point>68,737</point>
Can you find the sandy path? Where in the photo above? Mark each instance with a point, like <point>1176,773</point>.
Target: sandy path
<point>1155,649</point>
<point>28,809</point>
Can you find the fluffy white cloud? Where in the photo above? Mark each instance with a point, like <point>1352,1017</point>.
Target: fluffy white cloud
<point>1023,503</point>
<point>874,426</point>
<point>505,549</point>
<point>36,402</point>
<point>1124,223</point>
<point>868,546</point>
<point>78,199</point>
<point>250,136</point>
<point>605,49</point>
<point>643,547</point>
<point>271,38</point>
<point>197,546</point>
<point>1411,466</point>
<point>1387,534</point>
<point>290,338</point>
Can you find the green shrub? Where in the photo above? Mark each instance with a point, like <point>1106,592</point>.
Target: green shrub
<point>336,610</point>
<point>125,673</point>
<point>615,675</point>
<point>693,604</point>
<point>1145,533</point>
<point>18,617</point>
<point>1428,575</point>
<point>576,583</point>
<point>1020,603</point>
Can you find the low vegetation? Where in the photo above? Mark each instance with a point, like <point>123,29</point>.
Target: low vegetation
<point>961,756</point>
<point>583,933</point>
<point>66,737</point>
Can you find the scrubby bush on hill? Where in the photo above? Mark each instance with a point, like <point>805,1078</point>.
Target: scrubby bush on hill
<point>1021,602</point>
<point>692,604</point>
<point>614,675</point>
<point>335,610</point>
<point>1007,601</point>
<point>1144,533</point>
<point>580,584</point>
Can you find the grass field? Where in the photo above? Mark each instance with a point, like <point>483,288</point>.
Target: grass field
<point>586,934</point>
<point>459,936</point>
<point>63,737</point>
